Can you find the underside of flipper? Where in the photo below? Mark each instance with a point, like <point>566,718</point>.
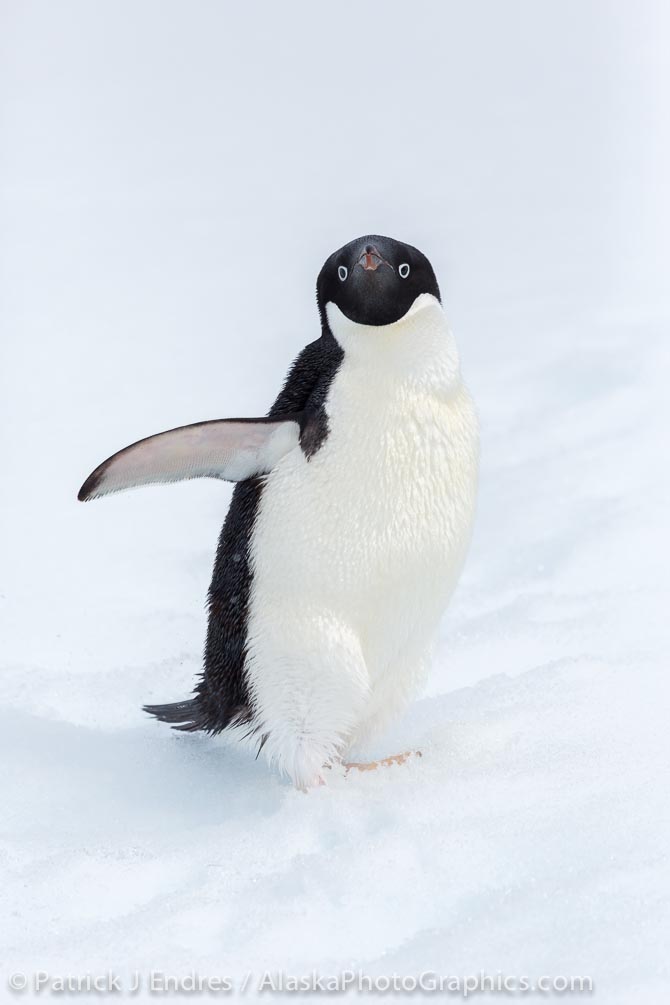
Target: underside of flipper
<point>230,449</point>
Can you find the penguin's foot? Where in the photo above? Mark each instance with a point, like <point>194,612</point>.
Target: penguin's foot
<point>385,762</point>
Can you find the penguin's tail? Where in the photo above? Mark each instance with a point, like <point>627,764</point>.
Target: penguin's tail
<point>184,715</point>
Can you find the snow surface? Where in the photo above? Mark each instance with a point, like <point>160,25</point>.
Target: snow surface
<point>165,166</point>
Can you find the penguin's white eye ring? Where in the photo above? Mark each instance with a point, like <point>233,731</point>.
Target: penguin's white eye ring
<point>403,270</point>
<point>342,272</point>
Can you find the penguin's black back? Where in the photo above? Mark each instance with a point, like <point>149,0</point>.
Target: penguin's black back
<point>222,696</point>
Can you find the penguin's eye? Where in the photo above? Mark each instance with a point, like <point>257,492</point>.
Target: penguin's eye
<point>403,270</point>
<point>342,272</point>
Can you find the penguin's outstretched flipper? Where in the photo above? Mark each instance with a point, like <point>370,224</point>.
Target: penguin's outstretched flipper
<point>231,449</point>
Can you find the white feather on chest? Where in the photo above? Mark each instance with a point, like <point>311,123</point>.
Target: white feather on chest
<point>356,550</point>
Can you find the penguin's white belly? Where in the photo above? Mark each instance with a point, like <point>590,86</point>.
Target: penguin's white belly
<point>372,529</point>
<point>354,554</point>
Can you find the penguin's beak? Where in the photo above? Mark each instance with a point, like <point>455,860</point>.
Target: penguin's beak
<point>370,259</point>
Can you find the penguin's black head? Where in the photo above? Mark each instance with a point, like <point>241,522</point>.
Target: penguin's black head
<point>374,280</point>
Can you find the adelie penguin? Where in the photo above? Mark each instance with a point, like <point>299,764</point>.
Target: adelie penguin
<point>349,524</point>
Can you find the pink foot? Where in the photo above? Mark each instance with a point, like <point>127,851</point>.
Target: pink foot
<point>385,762</point>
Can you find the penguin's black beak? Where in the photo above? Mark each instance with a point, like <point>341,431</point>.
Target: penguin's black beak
<point>370,259</point>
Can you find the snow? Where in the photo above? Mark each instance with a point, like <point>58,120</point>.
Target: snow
<point>156,165</point>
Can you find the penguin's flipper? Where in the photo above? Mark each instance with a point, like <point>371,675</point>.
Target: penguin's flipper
<point>231,449</point>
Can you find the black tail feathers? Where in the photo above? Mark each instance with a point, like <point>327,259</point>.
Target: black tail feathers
<point>183,715</point>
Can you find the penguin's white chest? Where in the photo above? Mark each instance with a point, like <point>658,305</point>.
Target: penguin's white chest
<point>360,545</point>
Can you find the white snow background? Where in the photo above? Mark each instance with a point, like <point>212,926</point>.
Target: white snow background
<point>173,176</point>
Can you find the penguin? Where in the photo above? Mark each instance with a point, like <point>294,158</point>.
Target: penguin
<point>348,525</point>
